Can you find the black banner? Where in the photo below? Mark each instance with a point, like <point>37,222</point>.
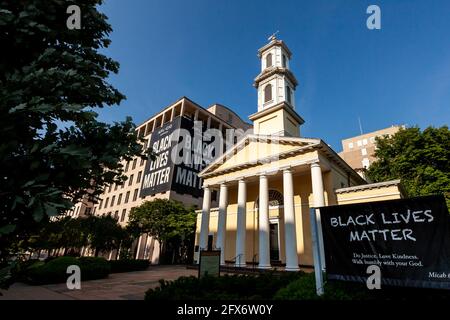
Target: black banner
<point>181,150</point>
<point>409,239</point>
<point>158,172</point>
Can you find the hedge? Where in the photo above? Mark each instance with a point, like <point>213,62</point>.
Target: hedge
<point>54,271</point>
<point>127,265</point>
<point>290,286</point>
<point>226,287</point>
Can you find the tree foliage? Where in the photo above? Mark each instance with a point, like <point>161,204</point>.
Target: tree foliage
<point>53,148</point>
<point>169,222</point>
<point>421,159</point>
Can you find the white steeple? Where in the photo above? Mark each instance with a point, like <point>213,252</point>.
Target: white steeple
<point>276,86</point>
<point>275,83</point>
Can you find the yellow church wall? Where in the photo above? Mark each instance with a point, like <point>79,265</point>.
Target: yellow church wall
<point>270,123</point>
<point>290,125</point>
<point>376,194</point>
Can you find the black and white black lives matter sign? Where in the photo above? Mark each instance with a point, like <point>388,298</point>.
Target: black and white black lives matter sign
<point>409,239</point>
<point>181,149</point>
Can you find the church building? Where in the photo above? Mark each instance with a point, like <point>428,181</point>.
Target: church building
<point>270,179</point>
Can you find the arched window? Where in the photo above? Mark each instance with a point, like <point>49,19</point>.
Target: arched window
<point>275,198</point>
<point>269,60</point>
<point>284,61</point>
<point>288,94</point>
<point>268,93</point>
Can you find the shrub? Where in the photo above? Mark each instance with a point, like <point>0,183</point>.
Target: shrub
<point>227,287</point>
<point>54,271</point>
<point>94,268</point>
<point>304,288</point>
<point>127,265</point>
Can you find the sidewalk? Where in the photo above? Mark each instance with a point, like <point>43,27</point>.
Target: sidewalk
<point>118,286</point>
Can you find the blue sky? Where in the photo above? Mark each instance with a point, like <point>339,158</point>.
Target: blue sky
<point>206,50</point>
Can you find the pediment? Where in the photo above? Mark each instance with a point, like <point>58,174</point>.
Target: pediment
<point>256,149</point>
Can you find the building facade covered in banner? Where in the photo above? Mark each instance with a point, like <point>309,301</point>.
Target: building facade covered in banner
<point>270,179</point>
<point>162,178</point>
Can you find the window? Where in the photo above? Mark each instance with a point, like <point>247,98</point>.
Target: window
<point>110,188</point>
<point>284,61</point>
<point>106,202</point>
<point>139,177</point>
<point>135,194</point>
<point>268,93</point>
<point>275,198</point>
<point>116,215</point>
<point>119,199</point>
<point>134,164</point>
<point>127,165</point>
<point>124,212</point>
<point>100,204</point>
<point>269,60</point>
<point>127,196</point>
<point>350,145</point>
<point>364,151</point>
<point>359,143</point>
<point>130,182</point>
<point>115,187</point>
<point>365,163</point>
<point>288,94</point>
<point>142,162</point>
<point>122,185</point>
<point>112,200</point>
<point>365,142</point>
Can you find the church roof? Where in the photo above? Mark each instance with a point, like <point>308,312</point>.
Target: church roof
<point>275,42</point>
<point>299,146</point>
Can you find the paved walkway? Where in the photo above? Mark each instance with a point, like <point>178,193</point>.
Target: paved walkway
<point>118,286</point>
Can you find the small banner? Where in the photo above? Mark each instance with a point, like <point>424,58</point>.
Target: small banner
<point>409,239</point>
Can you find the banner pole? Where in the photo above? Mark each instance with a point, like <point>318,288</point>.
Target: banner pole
<point>316,252</point>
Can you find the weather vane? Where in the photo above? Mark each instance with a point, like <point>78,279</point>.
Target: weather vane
<point>273,36</point>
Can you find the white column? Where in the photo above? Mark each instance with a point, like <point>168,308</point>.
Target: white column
<point>264,231</point>
<point>241,224</point>
<point>319,201</point>
<point>204,228</point>
<point>222,223</point>
<point>289,222</point>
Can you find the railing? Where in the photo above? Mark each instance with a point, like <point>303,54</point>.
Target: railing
<point>254,261</point>
<point>237,258</point>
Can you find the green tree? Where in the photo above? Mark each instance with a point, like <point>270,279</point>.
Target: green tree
<point>421,159</point>
<point>170,223</point>
<point>52,147</point>
<point>103,233</point>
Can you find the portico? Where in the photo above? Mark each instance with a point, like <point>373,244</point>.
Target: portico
<point>266,197</point>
